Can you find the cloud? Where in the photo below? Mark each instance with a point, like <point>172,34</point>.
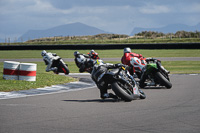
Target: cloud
<point>190,8</point>
<point>154,9</point>
<point>117,16</point>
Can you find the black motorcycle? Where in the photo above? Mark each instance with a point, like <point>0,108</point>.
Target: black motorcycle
<point>62,67</point>
<point>122,83</point>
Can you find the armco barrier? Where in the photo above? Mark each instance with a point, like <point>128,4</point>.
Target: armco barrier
<point>103,46</point>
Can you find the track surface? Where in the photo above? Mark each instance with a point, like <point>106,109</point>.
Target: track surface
<point>163,111</point>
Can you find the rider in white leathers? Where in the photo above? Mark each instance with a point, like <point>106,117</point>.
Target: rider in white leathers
<point>48,59</point>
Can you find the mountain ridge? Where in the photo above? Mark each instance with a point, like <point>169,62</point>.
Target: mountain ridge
<point>80,29</point>
<point>171,28</point>
<point>73,29</point>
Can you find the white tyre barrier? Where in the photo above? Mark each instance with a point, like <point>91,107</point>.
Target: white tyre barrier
<point>27,71</point>
<point>11,70</point>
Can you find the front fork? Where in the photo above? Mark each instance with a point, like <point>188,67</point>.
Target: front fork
<point>137,91</point>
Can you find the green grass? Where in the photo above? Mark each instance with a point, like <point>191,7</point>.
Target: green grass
<point>110,41</point>
<point>42,79</point>
<point>18,54</point>
<point>182,67</point>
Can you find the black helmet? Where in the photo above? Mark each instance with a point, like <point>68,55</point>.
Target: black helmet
<point>76,53</point>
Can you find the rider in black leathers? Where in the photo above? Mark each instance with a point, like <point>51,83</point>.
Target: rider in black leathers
<point>98,69</point>
<point>83,62</point>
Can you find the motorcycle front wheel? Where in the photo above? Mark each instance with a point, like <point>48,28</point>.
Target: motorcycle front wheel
<point>122,92</point>
<point>64,68</point>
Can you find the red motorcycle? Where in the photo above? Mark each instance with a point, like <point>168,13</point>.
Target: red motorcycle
<point>93,55</point>
<point>62,67</point>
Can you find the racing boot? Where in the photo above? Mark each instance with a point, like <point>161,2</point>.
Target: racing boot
<point>142,94</point>
<point>165,70</point>
<point>108,95</point>
<point>55,70</point>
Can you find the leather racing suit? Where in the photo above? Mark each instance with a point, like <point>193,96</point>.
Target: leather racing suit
<point>49,58</point>
<point>102,84</point>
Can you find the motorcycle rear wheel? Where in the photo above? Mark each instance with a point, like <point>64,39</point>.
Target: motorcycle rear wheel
<point>163,80</point>
<point>123,93</point>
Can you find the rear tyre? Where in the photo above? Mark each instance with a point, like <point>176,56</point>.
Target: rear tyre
<point>121,92</point>
<point>163,80</point>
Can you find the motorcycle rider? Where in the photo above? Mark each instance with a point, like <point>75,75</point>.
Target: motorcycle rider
<point>127,57</point>
<point>99,68</point>
<point>94,55</point>
<point>49,58</point>
<point>83,62</point>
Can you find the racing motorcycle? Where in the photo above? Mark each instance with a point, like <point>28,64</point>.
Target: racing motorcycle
<point>93,55</point>
<point>84,63</point>
<point>62,67</point>
<point>122,83</point>
<point>151,72</point>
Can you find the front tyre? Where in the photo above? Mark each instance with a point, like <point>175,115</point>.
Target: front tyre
<point>64,68</point>
<point>163,80</point>
<point>142,94</point>
<point>122,92</point>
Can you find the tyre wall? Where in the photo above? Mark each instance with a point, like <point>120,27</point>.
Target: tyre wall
<point>103,46</point>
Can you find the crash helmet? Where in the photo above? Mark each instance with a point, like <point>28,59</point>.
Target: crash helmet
<point>44,52</point>
<point>81,59</point>
<point>92,51</point>
<point>76,53</point>
<point>127,50</point>
<point>99,62</point>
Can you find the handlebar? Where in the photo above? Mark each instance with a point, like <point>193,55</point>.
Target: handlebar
<point>152,59</point>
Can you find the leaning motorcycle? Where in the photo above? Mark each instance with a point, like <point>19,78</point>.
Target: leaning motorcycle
<point>87,63</point>
<point>122,83</point>
<point>62,67</point>
<point>152,73</point>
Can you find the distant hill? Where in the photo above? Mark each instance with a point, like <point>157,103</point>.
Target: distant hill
<point>74,29</point>
<point>173,28</point>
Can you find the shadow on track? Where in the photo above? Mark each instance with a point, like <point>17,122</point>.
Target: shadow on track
<point>94,100</point>
<point>154,87</point>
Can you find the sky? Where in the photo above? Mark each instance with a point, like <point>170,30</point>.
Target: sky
<point>116,16</point>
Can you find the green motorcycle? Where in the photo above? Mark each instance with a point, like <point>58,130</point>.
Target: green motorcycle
<point>154,74</point>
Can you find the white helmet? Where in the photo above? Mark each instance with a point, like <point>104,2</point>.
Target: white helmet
<point>43,53</point>
<point>81,59</point>
<point>92,51</point>
<point>127,50</point>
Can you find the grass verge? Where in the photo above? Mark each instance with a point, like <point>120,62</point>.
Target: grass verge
<point>108,41</point>
<point>42,79</point>
<point>19,54</point>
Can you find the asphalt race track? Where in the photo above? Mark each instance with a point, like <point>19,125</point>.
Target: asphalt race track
<point>175,110</point>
